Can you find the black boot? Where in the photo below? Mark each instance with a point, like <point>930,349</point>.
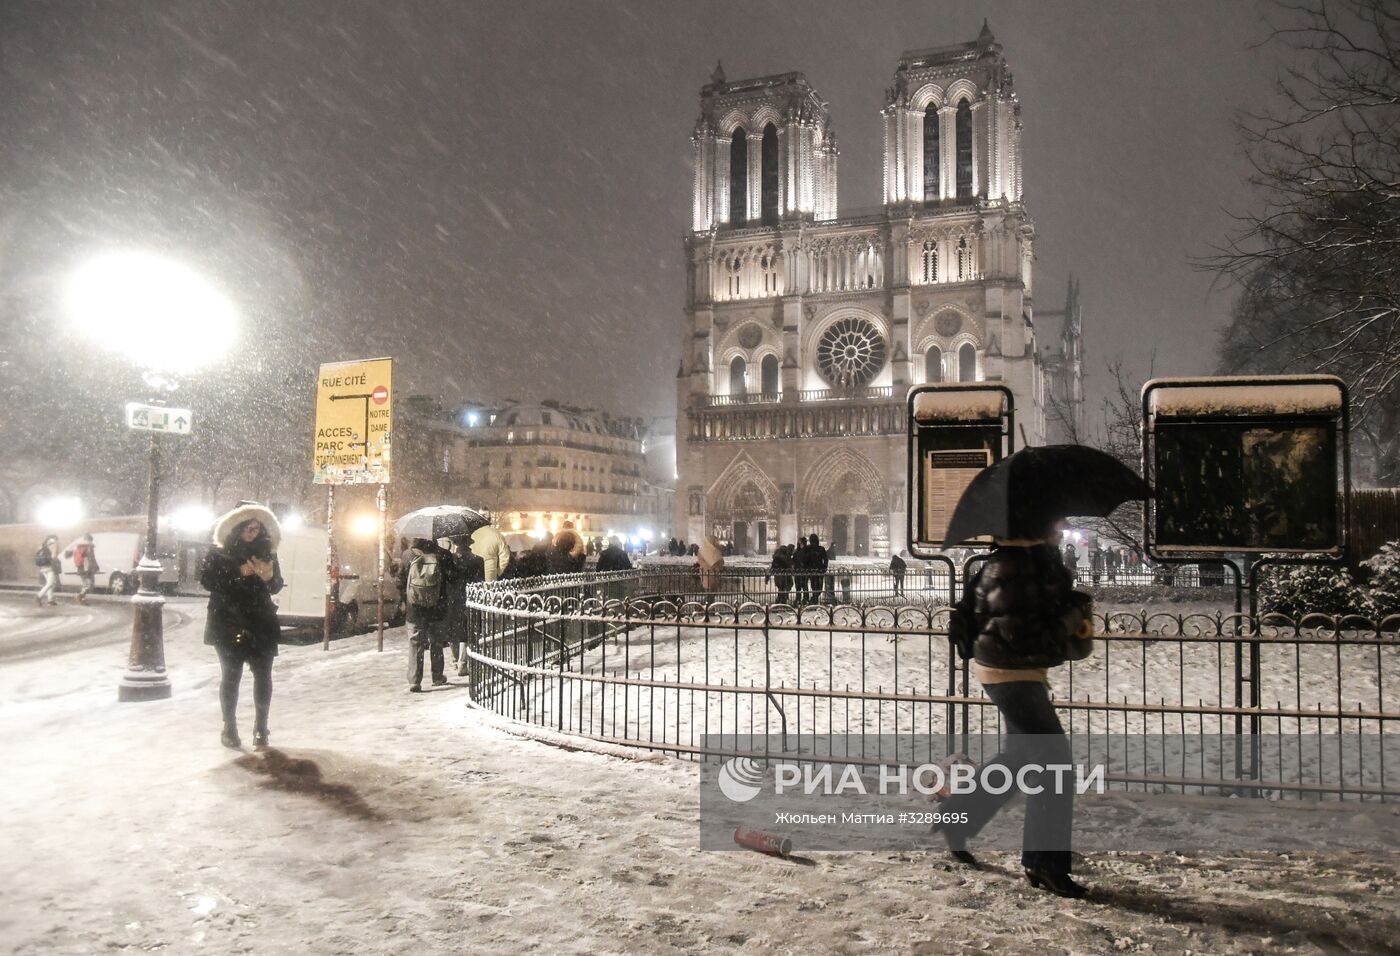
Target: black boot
<point>229,738</point>
<point>260,738</point>
<point>1058,883</point>
<point>956,848</point>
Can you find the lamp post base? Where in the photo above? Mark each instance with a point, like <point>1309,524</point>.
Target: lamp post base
<point>146,677</point>
<point>143,685</point>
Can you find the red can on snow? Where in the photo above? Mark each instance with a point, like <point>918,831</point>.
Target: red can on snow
<point>763,842</point>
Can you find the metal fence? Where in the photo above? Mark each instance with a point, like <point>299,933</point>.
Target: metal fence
<point>1288,708</point>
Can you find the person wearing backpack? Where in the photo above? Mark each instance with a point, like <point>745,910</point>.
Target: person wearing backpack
<point>49,565</point>
<point>423,583</point>
<point>1020,616</point>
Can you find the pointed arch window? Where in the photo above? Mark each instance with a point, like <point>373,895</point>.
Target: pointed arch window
<point>931,261</point>
<point>739,178</point>
<point>933,364</point>
<point>962,127</point>
<point>768,375</point>
<point>931,157</point>
<point>768,178</point>
<point>964,259</point>
<point>738,376</point>
<point>734,268</point>
<point>967,363</point>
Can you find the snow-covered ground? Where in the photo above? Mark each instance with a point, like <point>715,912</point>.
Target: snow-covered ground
<point>387,822</point>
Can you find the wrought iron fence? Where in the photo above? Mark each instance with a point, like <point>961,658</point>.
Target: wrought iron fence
<point>642,659</point>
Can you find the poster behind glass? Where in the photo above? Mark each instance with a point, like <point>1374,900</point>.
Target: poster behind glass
<point>1240,486</point>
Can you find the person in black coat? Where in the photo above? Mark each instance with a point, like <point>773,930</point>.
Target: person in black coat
<point>1026,618</point>
<point>423,583</point>
<point>465,568</point>
<point>781,569</point>
<point>897,569</point>
<point>241,574</point>
<point>614,558</point>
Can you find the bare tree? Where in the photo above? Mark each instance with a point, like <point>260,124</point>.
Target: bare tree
<point>1319,264</point>
<point>1119,433</point>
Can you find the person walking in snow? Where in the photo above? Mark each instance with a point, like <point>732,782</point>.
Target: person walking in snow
<point>241,574</point>
<point>1021,616</point>
<point>781,569</point>
<point>50,566</point>
<point>85,563</point>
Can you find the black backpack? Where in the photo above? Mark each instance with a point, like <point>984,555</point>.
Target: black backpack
<point>41,558</point>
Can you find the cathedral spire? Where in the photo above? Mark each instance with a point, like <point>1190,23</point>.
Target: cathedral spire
<point>985,37</point>
<point>717,77</point>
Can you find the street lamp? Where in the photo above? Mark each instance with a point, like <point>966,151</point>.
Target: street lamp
<point>170,322</point>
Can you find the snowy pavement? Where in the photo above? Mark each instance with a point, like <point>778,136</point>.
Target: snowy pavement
<point>398,823</point>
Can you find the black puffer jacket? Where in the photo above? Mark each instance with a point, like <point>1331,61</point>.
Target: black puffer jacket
<point>241,616</point>
<point>1019,602</point>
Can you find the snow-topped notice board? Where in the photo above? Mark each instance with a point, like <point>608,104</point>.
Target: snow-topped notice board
<point>955,431</point>
<point>1246,465</point>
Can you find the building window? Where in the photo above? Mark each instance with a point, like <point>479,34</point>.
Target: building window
<point>739,177</point>
<point>931,261</point>
<point>967,363</point>
<point>768,373</point>
<point>964,259</point>
<point>768,182</point>
<point>963,138</point>
<point>931,154</point>
<point>933,364</point>
<point>738,370</point>
<point>446,459</point>
<point>734,277</point>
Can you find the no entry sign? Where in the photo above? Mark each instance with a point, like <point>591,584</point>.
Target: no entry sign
<point>354,423</point>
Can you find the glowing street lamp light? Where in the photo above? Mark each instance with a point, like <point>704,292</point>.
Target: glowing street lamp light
<point>169,321</point>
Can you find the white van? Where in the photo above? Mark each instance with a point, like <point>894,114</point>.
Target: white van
<point>118,553</point>
<point>302,600</point>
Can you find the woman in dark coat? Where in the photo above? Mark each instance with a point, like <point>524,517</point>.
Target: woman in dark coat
<point>1025,617</point>
<point>241,574</point>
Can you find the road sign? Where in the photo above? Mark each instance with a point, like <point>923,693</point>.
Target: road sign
<point>354,423</point>
<point>158,418</point>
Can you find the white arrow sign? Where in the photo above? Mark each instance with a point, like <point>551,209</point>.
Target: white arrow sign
<point>158,418</point>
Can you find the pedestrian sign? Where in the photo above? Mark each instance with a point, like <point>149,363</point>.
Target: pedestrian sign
<point>354,423</point>
<point>158,418</point>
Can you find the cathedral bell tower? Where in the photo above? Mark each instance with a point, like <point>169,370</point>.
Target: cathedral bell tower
<point>764,152</point>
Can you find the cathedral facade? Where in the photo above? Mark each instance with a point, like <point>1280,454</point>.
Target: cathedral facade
<point>805,328</point>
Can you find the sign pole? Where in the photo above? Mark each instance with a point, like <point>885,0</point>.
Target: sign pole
<point>146,677</point>
<point>332,568</point>
<point>382,499</point>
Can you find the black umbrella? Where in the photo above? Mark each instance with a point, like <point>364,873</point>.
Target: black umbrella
<point>440,521</point>
<point>1020,496</point>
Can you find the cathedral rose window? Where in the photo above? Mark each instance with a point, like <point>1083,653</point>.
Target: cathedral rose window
<point>851,353</point>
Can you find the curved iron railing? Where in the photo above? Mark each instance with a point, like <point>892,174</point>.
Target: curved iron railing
<point>1205,702</point>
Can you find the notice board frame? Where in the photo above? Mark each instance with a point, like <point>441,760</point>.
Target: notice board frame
<point>1337,422</point>
<point>921,436</point>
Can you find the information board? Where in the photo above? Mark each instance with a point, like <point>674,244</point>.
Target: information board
<point>1246,466</point>
<point>955,431</point>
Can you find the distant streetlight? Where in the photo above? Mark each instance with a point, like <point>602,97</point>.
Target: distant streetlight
<point>170,322</point>
<point>365,526</point>
<point>59,512</point>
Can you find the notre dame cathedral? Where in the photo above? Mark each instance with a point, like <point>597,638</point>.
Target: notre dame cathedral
<point>806,328</point>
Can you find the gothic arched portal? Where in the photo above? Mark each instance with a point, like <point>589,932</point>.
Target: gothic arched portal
<point>843,499</point>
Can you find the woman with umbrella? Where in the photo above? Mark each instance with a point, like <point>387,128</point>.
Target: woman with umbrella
<point>1020,616</point>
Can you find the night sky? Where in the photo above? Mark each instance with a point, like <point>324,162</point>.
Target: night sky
<point>496,193</point>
